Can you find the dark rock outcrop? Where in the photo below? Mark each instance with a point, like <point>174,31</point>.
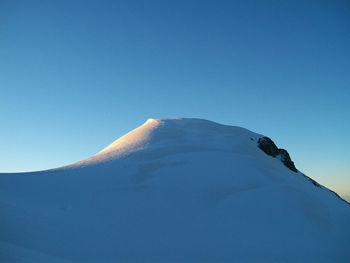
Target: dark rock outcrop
<point>270,148</point>
<point>285,158</point>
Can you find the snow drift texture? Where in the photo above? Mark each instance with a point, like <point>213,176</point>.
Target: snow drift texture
<point>173,190</point>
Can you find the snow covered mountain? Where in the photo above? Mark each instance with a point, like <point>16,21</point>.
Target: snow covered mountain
<point>174,190</point>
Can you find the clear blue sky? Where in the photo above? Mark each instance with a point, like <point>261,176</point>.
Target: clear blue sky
<point>76,75</point>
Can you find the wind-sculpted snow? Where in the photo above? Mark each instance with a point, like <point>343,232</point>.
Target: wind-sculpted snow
<point>173,190</point>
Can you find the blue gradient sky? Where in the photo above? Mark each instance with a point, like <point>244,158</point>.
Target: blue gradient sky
<point>76,75</point>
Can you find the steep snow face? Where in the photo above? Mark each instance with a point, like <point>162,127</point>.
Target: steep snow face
<point>173,190</point>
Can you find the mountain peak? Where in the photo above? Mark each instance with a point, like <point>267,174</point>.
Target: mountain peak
<point>189,133</point>
<point>175,190</point>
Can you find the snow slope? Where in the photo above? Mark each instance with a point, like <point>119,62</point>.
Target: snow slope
<point>173,190</point>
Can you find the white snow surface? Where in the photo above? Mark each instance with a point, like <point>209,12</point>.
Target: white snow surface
<point>173,190</point>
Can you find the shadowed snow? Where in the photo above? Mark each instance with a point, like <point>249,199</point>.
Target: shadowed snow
<point>172,190</point>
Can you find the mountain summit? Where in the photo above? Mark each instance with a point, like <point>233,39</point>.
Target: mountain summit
<point>174,190</point>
